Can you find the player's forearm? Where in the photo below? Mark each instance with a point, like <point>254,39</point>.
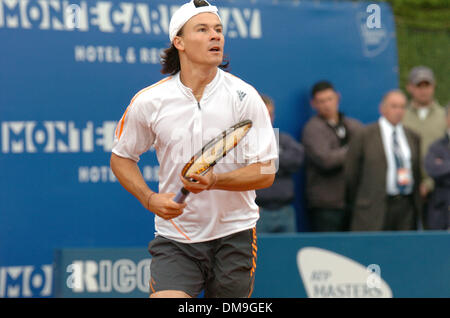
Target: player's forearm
<point>130,177</point>
<point>251,177</point>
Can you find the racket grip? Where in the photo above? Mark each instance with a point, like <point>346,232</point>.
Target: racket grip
<point>181,196</point>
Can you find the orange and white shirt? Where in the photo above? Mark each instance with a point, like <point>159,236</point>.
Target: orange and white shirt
<point>167,116</point>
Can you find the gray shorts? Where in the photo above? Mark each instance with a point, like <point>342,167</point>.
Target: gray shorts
<point>223,268</point>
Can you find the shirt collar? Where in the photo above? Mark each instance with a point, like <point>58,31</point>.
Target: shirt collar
<point>340,119</point>
<point>388,127</point>
<point>209,89</point>
<point>415,107</point>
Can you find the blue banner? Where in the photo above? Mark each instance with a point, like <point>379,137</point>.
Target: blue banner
<point>70,68</point>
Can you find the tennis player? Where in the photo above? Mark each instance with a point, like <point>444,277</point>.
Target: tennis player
<point>209,242</point>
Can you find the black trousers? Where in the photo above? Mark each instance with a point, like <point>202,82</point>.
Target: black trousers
<point>400,214</point>
<point>329,220</point>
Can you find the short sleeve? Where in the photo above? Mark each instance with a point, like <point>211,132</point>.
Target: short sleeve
<point>134,135</point>
<point>261,144</point>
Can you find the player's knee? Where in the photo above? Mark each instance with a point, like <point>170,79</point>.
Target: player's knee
<point>170,294</point>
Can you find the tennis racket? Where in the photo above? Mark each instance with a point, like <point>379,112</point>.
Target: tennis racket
<point>212,152</point>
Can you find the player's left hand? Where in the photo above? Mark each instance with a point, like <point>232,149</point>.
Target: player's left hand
<point>199,183</point>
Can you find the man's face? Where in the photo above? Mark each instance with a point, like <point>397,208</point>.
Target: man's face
<point>394,107</point>
<point>326,103</point>
<point>202,40</point>
<point>422,93</point>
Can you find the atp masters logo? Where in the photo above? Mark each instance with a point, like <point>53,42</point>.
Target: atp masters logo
<point>115,17</point>
<point>326,274</point>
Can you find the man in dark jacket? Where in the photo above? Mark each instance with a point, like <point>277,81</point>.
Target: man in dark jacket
<point>383,172</point>
<point>325,138</point>
<point>437,165</point>
<point>277,213</point>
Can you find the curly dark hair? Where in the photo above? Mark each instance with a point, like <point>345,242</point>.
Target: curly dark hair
<point>170,60</point>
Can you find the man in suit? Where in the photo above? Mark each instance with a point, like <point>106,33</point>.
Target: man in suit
<point>383,172</point>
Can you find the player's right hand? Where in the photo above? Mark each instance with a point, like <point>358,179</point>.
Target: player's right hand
<point>162,205</point>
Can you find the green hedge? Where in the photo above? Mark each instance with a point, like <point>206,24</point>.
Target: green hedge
<point>425,14</point>
<point>423,38</point>
<point>430,48</point>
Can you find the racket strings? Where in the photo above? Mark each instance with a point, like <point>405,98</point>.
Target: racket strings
<point>215,150</point>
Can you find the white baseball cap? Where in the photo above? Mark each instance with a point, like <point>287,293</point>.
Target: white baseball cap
<point>187,11</point>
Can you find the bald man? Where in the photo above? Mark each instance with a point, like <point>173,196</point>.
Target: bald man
<point>383,172</point>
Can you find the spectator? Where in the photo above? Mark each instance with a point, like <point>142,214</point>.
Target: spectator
<point>383,171</point>
<point>325,138</point>
<point>426,117</point>
<point>277,213</point>
<point>437,165</point>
